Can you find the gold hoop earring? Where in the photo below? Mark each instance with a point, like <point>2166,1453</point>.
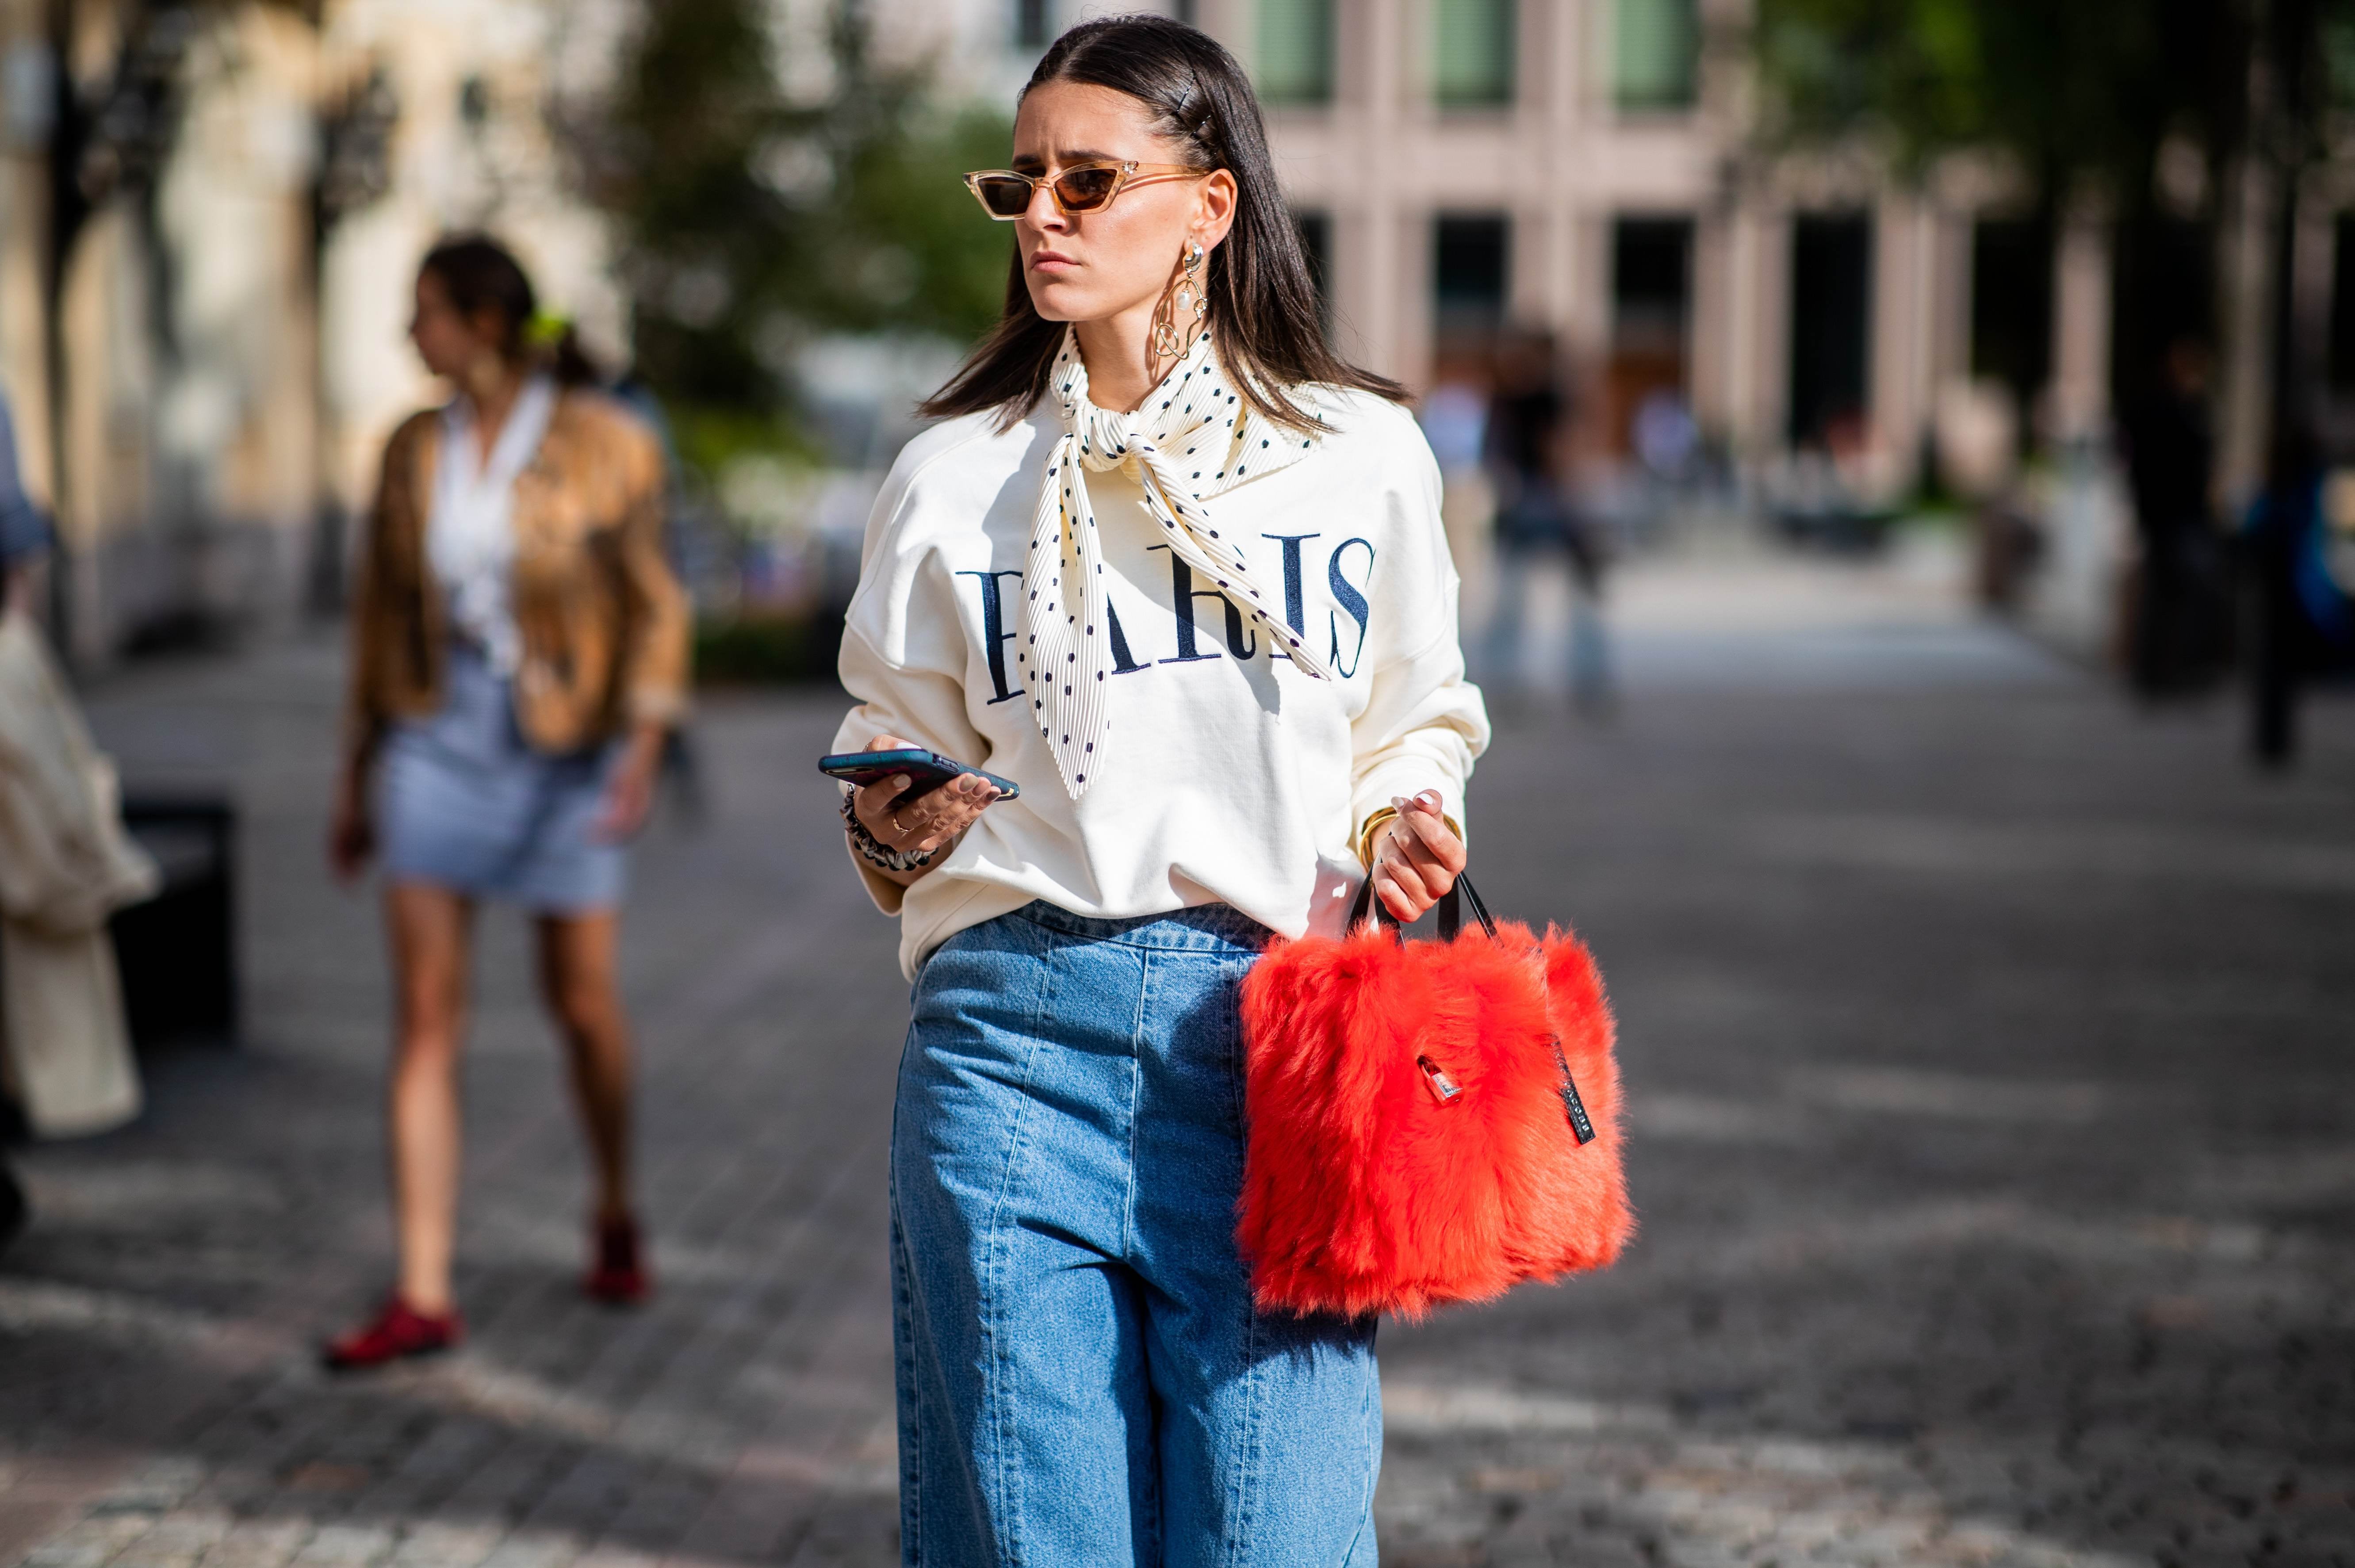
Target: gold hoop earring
<point>1186,297</point>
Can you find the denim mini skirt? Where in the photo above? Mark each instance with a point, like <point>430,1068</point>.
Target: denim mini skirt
<point>465,802</point>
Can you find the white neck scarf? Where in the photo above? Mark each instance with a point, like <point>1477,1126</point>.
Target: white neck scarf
<point>1193,437</point>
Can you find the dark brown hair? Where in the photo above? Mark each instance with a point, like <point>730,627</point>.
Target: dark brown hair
<point>1263,312</point>
<point>480,275</point>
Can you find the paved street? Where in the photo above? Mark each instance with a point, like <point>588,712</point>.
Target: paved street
<point>1987,1043</point>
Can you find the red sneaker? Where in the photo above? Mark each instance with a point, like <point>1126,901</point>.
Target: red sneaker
<point>398,1332</point>
<point>619,1276</point>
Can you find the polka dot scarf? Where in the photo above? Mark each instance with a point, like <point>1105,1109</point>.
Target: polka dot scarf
<point>1193,437</point>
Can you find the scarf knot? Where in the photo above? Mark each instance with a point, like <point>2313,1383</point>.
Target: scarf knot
<point>1193,437</point>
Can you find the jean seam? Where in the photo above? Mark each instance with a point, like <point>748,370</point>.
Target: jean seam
<point>1006,1480</point>
<point>1239,1528</point>
<point>1369,1441</point>
<point>911,1454</point>
<point>1137,1046</point>
<point>1238,1061</point>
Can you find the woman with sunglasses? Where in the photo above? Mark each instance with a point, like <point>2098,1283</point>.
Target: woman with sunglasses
<point>1178,572</point>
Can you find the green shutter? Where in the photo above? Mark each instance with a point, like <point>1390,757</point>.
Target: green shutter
<point>1656,53</point>
<point>1472,64</point>
<point>1295,51</point>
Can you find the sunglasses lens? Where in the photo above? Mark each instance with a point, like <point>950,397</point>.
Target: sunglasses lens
<point>1003,195</point>
<point>1084,190</point>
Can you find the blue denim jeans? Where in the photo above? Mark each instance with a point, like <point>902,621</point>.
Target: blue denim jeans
<point>1083,1379</point>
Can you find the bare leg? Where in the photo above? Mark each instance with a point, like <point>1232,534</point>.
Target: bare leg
<point>579,978</point>
<point>430,929</point>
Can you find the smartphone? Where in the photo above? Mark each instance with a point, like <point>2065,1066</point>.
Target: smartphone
<point>926,771</point>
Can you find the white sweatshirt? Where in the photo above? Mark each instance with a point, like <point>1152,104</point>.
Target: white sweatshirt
<point>1231,776</point>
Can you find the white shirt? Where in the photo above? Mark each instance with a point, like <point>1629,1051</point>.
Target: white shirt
<point>1231,776</point>
<point>469,537</point>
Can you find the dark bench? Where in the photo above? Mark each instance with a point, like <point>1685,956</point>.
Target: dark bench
<point>177,950</point>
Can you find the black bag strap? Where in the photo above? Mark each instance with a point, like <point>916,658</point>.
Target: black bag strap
<point>1451,910</point>
<point>1452,905</point>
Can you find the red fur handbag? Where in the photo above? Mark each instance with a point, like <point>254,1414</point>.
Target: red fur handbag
<point>1429,1122</point>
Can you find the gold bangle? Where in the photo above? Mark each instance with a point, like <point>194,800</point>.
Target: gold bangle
<point>1374,824</point>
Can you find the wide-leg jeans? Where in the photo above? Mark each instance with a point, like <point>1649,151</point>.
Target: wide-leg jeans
<point>1083,1378</point>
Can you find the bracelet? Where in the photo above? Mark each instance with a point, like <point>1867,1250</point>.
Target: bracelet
<point>873,851</point>
<point>1374,825</point>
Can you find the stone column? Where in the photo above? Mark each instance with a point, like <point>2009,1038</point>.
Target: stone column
<point>2244,318</point>
<point>1897,388</point>
<point>1763,296</point>
<point>2080,323</point>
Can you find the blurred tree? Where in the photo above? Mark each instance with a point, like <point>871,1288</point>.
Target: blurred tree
<point>755,221</point>
<point>2092,85</point>
<point>2217,110</point>
<point>2092,95</point>
<point>112,112</point>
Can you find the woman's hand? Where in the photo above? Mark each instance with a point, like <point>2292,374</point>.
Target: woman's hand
<point>1417,857</point>
<point>922,826</point>
<point>630,792</point>
<point>351,833</point>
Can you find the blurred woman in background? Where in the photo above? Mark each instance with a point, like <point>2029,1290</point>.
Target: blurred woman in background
<point>518,650</point>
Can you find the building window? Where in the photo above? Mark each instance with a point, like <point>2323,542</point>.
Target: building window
<point>1655,53</point>
<point>1295,51</point>
<point>1468,274</point>
<point>1032,25</point>
<point>1831,314</point>
<point>2011,305</point>
<point>1316,244</point>
<point>1471,58</point>
<point>1651,309</point>
<point>2342,304</point>
<point>1651,278</point>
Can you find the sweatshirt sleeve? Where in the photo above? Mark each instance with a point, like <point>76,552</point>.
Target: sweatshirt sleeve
<point>904,657</point>
<point>1423,724</point>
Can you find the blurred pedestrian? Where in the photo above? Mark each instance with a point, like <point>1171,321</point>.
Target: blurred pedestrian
<point>1135,571</point>
<point>1454,420</point>
<point>1528,457</point>
<point>518,650</point>
<point>2182,601</point>
<point>2300,533</point>
<point>1664,437</point>
<point>65,867</point>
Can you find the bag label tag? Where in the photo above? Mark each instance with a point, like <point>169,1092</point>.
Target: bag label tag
<point>1579,1124</point>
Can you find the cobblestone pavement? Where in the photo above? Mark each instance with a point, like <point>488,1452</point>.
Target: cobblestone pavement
<point>1987,1044</point>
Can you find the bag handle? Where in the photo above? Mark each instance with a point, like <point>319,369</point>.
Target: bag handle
<point>1451,923</point>
<point>1451,910</point>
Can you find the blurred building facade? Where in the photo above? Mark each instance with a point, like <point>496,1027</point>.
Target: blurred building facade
<point>1589,167</point>
<point>203,280</point>
<point>203,334</point>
